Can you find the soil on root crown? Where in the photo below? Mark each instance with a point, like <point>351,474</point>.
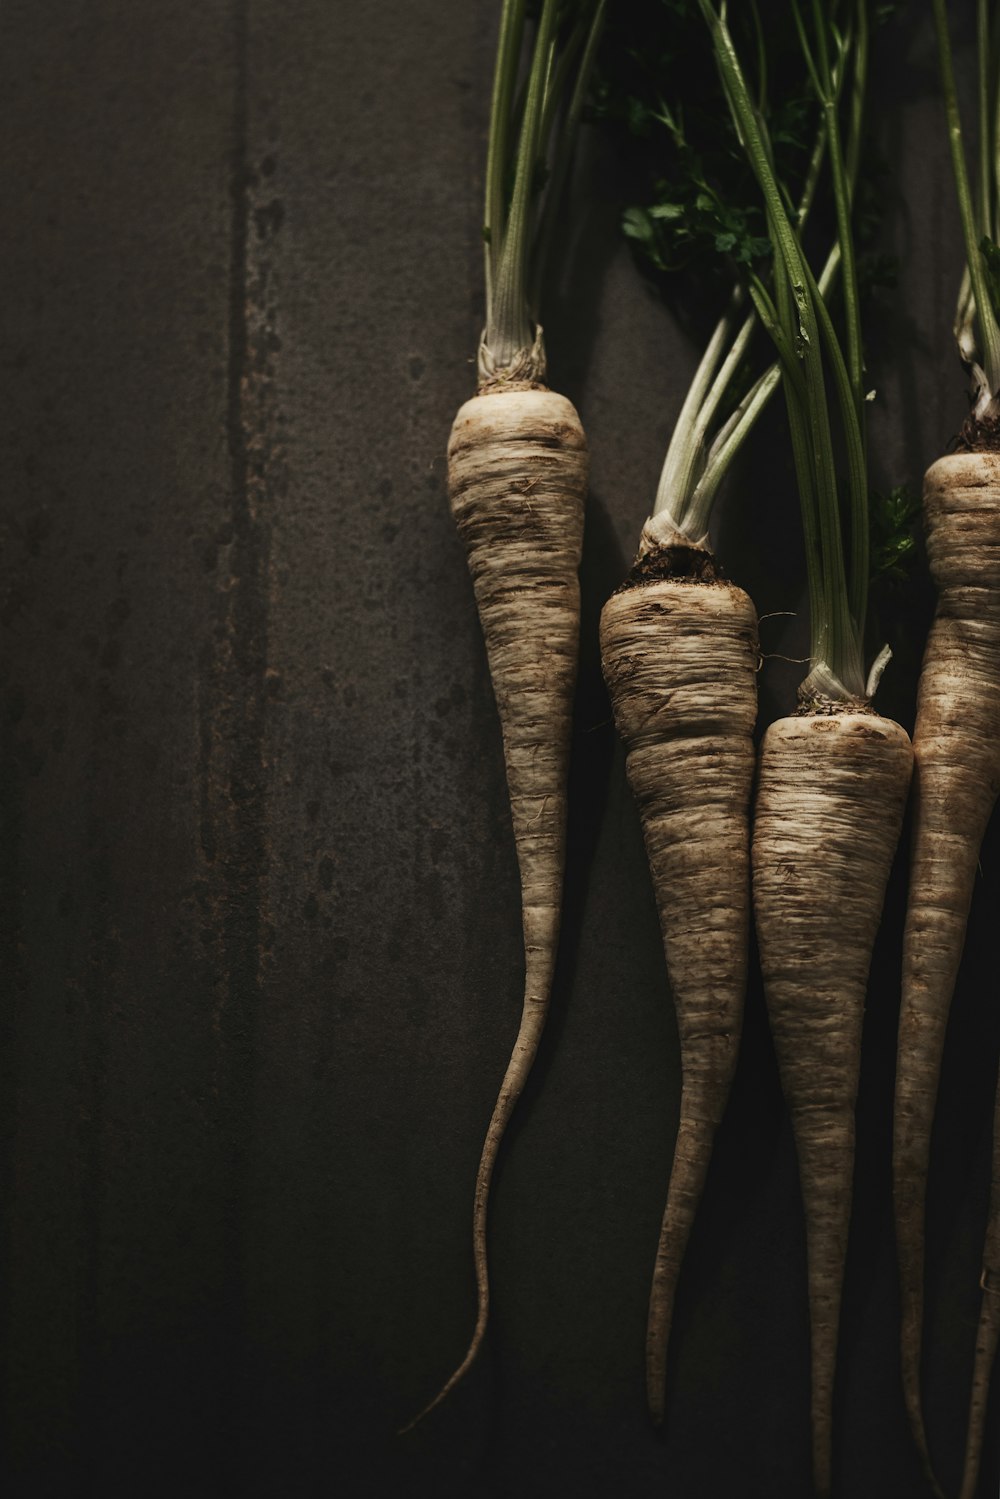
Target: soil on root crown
<point>977,435</point>
<point>674,564</point>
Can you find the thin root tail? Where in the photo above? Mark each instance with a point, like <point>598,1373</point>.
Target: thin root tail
<point>692,1153</point>
<point>538,982</point>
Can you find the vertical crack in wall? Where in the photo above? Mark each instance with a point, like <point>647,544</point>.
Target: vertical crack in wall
<point>232,682</point>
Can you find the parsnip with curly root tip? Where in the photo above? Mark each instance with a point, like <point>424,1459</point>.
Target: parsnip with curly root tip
<point>827,819</point>
<point>988,1333</point>
<point>680,656</point>
<point>956,745</point>
<point>517,480</point>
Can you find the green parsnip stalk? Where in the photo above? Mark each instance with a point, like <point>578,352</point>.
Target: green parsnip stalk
<point>832,779</point>
<point>680,655</point>
<point>696,463</point>
<point>806,328</point>
<point>508,323</point>
<point>517,481</point>
<point>986,374</point>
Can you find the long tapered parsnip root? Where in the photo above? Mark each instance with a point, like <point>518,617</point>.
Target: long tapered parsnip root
<point>956,746</point>
<point>517,480</point>
<point>988,1334</point>
<point>827,818</point>
<point>680,656</point>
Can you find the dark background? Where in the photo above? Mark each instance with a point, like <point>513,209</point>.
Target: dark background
<point>260,908</point>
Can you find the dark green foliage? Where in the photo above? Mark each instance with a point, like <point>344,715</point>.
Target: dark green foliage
<point>672,232</point>
<point>695,204</point>
<point>894,520</point>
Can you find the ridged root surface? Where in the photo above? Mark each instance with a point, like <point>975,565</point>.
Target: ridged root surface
<point>828,813</point>
<point>680,660</point>
<point>956,746</point>
<point>517,481</point>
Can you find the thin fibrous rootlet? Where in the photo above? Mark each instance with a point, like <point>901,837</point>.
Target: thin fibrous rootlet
<point>956,742</point>
<point>680,655</point>
<point>517,483</point>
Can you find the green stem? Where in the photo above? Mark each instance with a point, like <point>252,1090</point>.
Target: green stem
<point>782,338</point>
<point>675,492</point>
<point>504,79</point>
<point>734,432</point>
<point>758,32</point>
<point>806,50</point>
<point>685,472</point>
<point>988,329</point>
<point>508,326</point>
<point>994,138</point>
<point>827,91</point>
<point>798,426</point>
<point>849,377</point>
<point>563,153</point>
<point>857,470</point>
<point>556,73</point>
<point>812,178</point>
<point>984,214</point>
<point>857,110</point>
<point>725,445</point>
<point>805,321</point>
<point>842,196</point>
<point>798,317</point>
<point>682,457</point>
<point>965,321</point>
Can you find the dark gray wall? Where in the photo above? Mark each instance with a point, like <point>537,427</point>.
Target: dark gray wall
<point>260,908</point>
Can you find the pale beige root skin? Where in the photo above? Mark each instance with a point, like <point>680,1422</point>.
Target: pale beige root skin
<point>988,1333</point>
<point>517,480</point>
<point>827,818</point>
<point>956,745</point>
<point>680,660</point>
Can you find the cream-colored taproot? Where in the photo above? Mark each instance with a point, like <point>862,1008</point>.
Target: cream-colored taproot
<point>680,659</point>
<point>956,743</point>
<point>827,818</point>
<point>517,482</point>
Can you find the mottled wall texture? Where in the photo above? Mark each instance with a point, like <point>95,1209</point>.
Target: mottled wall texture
<point>260,926</point>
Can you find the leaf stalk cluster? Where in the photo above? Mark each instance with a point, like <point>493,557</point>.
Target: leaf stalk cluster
<point>696,463</point>
<point>522,189</point>
<point>977,331</point>
<point>795,315</point>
